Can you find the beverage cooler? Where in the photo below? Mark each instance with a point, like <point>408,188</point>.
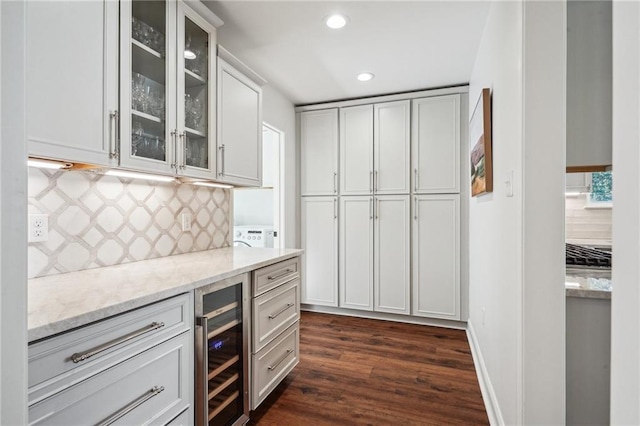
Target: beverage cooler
<point>222,367</point>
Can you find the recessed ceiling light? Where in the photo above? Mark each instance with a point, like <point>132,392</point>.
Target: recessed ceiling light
<point>365,76</point>
<point>336,21</point>
<point>188,54</point>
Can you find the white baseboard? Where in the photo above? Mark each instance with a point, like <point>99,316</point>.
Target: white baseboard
<point>488,394</point>
<point>435,322</point>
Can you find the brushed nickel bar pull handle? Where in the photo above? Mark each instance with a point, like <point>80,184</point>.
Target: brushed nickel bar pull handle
<point>415,179</point>
<point>273,367</point>
<point>114,117</point>
<point>275,277</point>
<point>370,181</point>
<point>335,182</point>
<point>370,208</point>
<point>335,208</point>
<point>377,210</point>
<point>221,149</point>
<point>82,356</point>
<point>375,181</point>
<point>132,405</point>
<point>183,140</point>
<point>273,316</point>
<point>174,165</point>
<point>202,363</point>
<point>415,208</point>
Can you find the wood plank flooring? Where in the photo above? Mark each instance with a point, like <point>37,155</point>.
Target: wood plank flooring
<point>356,371</point>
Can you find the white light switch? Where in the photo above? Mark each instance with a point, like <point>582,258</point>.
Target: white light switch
<point>508,184</point>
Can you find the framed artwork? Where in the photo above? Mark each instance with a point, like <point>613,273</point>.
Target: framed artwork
<point>480,143</point>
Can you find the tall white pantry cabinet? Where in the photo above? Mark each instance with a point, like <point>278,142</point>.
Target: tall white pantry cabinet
<point>381,204</point>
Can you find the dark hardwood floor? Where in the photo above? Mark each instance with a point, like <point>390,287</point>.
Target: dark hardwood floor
<point>356,371</point>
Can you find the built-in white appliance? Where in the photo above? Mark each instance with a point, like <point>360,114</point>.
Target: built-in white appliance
<point>253,236</point>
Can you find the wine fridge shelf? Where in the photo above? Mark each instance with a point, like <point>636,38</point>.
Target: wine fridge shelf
<point>219,368</point>
<point>215,409</point>
<point>222,382</point>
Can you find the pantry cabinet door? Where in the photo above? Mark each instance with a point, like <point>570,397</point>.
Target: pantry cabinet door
<point>392,215</point>
<point>320,244</point>
<point>72,79</point>
<point>356,150</point>
<point>436,144</point>
<point>436,256</point>
<point>392,137</point>
<point>356,253</point>
<point>319,152</point>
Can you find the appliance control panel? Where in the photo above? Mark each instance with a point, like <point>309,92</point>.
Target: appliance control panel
<point>253,236</point>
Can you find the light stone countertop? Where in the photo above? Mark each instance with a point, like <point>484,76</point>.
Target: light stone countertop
<point>588,283</point>
<point>58,303</point>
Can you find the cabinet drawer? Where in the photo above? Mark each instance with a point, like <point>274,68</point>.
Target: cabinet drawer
<point>150,388</point>
<point>274,311</point>
<point>51,365</point>
<point>273,363</point>
<point>269,277</point>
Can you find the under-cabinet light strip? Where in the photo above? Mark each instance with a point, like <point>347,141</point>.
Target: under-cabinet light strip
<point>213,185</point>
<point>134,175</point>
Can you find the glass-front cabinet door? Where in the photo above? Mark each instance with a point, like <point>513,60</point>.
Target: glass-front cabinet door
<point>147,87</point>
<point>167,88</point>
<point>196,96</point>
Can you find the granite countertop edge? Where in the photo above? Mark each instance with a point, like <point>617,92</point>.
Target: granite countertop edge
<point>588,293</point>
<point>58,303</point>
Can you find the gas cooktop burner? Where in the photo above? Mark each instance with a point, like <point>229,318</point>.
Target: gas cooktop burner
<point>587,256</point>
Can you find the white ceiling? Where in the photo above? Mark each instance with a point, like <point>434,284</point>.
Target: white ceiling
<point>407,45</point>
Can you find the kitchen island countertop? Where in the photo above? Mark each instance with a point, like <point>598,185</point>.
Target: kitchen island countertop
<point>588,283</point>
<point>57,303</point>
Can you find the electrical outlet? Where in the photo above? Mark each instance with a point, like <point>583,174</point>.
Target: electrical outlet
<point>186,221</point>
<point>38,227</point>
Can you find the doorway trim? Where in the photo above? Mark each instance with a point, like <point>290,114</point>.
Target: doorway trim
<point>279,194</point>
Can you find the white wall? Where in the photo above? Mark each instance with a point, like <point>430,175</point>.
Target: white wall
<point>544,131</point>
<point>13,214</point>
<point>279,112</point>
<point>509,323</point>
<point>625,315</point>
<point>252,207</point>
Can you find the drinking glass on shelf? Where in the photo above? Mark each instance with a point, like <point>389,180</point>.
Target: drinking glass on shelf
<point>157,103</point>
<point>197,113</point>
<point>137,134</point>
<point>137,90</point>
<point>188,107</point>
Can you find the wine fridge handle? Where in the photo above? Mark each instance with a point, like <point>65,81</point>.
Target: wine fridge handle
<point>202,363</point>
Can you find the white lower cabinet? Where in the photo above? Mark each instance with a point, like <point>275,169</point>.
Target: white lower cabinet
<point>275,332</point>
<point>134,368</point>
<point>392,259</point>
<point>356,252</point>
<point>320,244</point>
<point>374,253</point>
<point>436,256</point>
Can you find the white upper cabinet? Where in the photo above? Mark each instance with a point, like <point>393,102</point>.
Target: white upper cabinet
<point>319,234</point>
<point>392,274</point>
<point>356,150</point>
<point>72,79</point>
<point>319,152</point>
<point>375,148</point>
<point>392,141</point>
<point>436,144</point>
<point>167,90</point>
<point>239,125</point>
<point>589,84</point>
<point>356,252</point>
<point>436,256</point>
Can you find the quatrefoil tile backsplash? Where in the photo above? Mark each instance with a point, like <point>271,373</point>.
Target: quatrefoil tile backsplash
<point>97,220</point>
